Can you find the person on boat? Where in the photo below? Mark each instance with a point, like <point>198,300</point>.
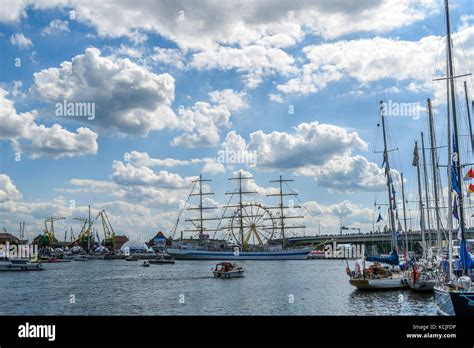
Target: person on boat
<point>457,267</point>
<point>445,266</point>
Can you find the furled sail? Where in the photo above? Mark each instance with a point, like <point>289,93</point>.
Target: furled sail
<point>391,259</point>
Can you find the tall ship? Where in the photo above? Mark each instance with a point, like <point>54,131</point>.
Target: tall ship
<point>247,230</point>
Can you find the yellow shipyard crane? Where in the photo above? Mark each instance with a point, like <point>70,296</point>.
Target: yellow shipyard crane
<point>48,237</point>
<point>109,233</point>
<point>85,235</point>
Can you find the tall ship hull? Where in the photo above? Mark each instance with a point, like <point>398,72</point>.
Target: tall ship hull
<point>285,254</point>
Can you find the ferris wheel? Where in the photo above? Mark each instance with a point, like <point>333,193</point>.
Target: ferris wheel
<point>257,224</point>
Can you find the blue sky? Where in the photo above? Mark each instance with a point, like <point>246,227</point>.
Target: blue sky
<point>193,83</point>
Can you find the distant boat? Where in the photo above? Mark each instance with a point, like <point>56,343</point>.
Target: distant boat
<point>80,258</point>
<point>20,264</point>
<point>146,263</point>
<point>131,258</point>
<point>226,270</point>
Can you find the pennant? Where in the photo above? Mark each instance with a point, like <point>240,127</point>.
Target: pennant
<point>469,175</point>
<point>471,188</point>
<point>379,218</point>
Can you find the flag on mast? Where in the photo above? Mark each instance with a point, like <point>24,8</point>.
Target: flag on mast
<point>455,208</point>
<point>454,171</point>
<point>469,175</point>
<point>379,218</point>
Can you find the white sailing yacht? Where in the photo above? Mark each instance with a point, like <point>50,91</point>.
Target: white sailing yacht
<point>376,276</point>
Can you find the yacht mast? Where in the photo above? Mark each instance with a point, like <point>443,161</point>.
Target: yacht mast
<point>456,156</point>
<point>434,166</point>
<point>416,163</point>
<point>404,212</point>
<point>427,196</point>
<point>389,179</point>
<point>450,183</point>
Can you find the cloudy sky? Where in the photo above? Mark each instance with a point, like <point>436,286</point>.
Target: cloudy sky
<point>182,88</point>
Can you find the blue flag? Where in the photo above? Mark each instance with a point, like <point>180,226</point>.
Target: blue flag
<point>455,209</point>
<point>466,259</point>
<point>454,171</point>
<point>379,218</point>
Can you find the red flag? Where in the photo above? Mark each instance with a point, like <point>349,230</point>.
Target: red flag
<point>469,175</point>
<point>471,188</point>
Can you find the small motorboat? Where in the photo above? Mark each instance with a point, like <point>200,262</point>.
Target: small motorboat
<point>227,270</point>
<point>80,258</point>
<point>20,264</point>
<point>131,258</point>
<point>146,263</point>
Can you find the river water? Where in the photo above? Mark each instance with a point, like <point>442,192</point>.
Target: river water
<point>118,287</point>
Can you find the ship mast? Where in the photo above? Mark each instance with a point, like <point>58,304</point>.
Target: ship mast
<point>404,212</point>
<point>199,222</point>
<point>450,187</point>
<point>416,163</point>
<point>434,165</point>
<point>456,156</point>
<point>389,180</point>
<point>240,192</point>
<point>427,196</point>
<point>281,207</point>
